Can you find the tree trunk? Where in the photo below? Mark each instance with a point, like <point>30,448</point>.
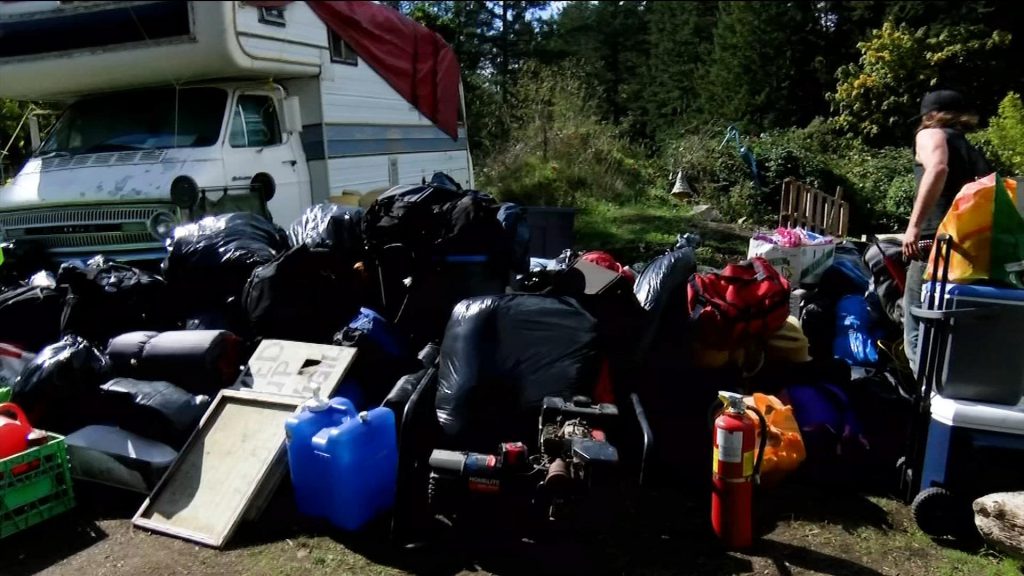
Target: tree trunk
<point>1000,519</point>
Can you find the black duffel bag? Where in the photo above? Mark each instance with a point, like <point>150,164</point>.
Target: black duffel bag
<point>106,299</point>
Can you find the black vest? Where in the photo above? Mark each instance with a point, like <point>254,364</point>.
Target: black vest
<point>966,163</point>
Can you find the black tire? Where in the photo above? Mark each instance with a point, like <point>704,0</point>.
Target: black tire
<point>934,510</point>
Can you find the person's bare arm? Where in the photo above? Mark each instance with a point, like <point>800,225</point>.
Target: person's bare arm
<point>932,154</point>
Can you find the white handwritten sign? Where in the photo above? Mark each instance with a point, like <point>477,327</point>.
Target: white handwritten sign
<point>298,368</point>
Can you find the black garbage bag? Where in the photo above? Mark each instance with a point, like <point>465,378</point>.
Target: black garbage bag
<point>198,361</point>
<point>501,355</point>
<point>332,227</point>
<point>663,282</point>
<point>22,258</point>
<point>442,180</point>
<point>30,317</point>
<point>106,299</point>
<point>57,388</point>
<point>513,219</point>
<point>156,410</point>
<point>211,260</point>
<point>661,290</point>
<point>302,295</point>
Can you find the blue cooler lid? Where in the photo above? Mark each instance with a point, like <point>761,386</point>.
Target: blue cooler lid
<point>978,415</point>
<point>978,291</point>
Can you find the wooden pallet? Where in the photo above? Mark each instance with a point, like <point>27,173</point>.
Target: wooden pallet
<point>805,207</point>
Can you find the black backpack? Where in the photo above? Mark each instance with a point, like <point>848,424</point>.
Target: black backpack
<point>302,295</point>
<point>883,257</point>
<point>435,220</point>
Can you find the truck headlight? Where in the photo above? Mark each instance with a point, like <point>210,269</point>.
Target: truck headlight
<point>161,225</point>
<point>184,192</point>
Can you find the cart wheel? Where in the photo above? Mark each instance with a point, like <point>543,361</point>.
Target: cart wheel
<point>934,511</point>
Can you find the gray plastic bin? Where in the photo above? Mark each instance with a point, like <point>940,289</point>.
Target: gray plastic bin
<point>982,361</point>
<point>551,230</point>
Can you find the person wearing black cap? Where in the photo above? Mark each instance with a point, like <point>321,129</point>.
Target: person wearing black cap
<point>943,162</point>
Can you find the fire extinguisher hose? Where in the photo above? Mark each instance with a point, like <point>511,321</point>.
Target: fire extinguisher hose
<point>762,446</point>
<point>716,409</point>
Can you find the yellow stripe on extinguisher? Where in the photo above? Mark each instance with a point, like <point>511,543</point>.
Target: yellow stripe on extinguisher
<point>714,462</point>
<point>748,463</point>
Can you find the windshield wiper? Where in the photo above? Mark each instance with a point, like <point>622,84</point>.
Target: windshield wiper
<point>54,154</point>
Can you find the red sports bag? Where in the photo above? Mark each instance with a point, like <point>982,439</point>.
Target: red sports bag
<point>743,301</point>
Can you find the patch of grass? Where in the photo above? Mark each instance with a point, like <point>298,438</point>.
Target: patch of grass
<point>985,563</point>
<point>640,232</point>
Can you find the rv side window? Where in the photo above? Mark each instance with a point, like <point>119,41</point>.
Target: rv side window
<point>341,52</point>
<point>254,122</point>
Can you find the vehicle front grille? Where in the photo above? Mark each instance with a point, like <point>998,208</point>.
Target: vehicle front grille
<point>85,229</point>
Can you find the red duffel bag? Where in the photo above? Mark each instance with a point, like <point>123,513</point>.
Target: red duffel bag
<point>744,301</point>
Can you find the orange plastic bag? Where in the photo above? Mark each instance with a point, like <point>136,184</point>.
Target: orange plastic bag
<point>969,224</point>
<point>785,448</point>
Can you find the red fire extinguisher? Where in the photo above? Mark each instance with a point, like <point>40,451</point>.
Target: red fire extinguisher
<point>735,470</point>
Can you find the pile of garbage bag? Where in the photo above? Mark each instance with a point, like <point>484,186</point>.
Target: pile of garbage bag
<point>436,282</point>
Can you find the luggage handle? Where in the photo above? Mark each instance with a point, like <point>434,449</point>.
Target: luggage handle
<point>977,313</point>
<point>12,408</point>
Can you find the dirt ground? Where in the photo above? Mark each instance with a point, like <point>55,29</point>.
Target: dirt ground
<point>803,532</point>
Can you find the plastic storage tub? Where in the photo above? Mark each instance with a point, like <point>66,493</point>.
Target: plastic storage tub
<point>41,492</point>
<point>986,327</point>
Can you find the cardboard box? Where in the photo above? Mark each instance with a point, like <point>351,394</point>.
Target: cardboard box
<point>800,265</point>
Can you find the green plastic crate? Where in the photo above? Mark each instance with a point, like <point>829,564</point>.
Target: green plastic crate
<point>35,495</point>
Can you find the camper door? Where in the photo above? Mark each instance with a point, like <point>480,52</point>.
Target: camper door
<point>257,146</point>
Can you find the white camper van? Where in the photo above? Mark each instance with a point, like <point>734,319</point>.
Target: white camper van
<point>169,106</point>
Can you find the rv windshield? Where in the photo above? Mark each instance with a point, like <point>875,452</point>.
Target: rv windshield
<point>142,120</point>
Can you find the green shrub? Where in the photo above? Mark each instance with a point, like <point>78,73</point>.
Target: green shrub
<point>1003,140</point>
<point>560,152</point>
<point>878,183</point>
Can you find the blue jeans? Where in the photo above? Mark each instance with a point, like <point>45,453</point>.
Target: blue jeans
<point>911,325</point>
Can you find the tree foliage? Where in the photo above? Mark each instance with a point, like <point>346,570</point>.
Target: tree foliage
<point>761,72</point>
<point>877,97</point>
<point>1003,140</point>
<point>561,151</point>
<point>680,37</point>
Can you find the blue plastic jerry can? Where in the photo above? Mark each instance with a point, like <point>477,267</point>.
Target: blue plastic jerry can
<point>363,461</point>
<point>309,471</point>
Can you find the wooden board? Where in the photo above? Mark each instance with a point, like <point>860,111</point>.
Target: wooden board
<point>238,445</point>
<point>297,368</point>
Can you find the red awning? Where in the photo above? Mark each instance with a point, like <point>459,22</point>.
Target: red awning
<point>411,58</point>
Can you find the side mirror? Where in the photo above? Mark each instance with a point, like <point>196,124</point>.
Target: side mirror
<point>33,131</point>
<point>292,115</point>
